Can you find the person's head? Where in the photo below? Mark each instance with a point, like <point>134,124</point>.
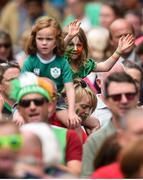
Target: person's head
<point>46,38</point>
<point>135,71</point>
<point>109,12</point>
<point>76,7</point>
<point>108,152</point>
<point>34,96</point>
<point>34,8</point>
<point>131,161</point>
<point>8,72</point>
<point>37,147</point>
<point>134,17</point>
<point>98,40</point>
<point>101,77</point>
<point>6,48</point>
<point>118,28</point>
<point>10,143</point>
<point>120,93</point>
<point>85,99</point>
<point>132,126</point>
<point>77,48</point>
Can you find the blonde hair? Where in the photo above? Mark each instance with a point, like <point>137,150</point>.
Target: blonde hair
<point>81,90</point>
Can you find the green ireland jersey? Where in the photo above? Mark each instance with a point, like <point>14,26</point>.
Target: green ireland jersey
<point>83,71</point>
<point>56,69</point>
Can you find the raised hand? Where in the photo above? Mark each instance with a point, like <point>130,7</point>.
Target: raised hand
<point>73,28</point>
<point>125,43</point>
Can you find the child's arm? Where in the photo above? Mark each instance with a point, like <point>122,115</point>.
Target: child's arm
<point>125,43</point>
<point>73,29</point>
<point>70,93</point>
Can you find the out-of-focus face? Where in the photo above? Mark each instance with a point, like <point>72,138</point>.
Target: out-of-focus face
<point>136,75</point>
<point>75,47</point>
<point>135,22</point>
<point>46,42</point>
<point>9,75</point>
<point>107,16</point>
<point>34,108</point>
<point>76,7</point>
<point>120,29</point>
<point>34,9</point>
<point>83,108</point>
<point>121,98</point>
<point>5,48</point>
<point>8,154</point>
<point>134,128</point>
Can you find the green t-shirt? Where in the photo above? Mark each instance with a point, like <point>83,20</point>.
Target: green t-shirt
<point>57,69</point>
<point>85,70</point>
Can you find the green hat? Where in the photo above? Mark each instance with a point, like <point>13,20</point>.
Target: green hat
<point>27,83</point>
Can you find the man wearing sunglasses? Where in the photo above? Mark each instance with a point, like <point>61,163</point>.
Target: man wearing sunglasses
<point>36,103</point>
<point>120,95</point>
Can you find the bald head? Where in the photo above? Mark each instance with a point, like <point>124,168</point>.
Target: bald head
<point>120,24</point>
<point>120,27</point>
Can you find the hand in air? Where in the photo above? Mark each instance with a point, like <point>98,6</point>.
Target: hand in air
<point>73,28</point>
<point>125,43</point>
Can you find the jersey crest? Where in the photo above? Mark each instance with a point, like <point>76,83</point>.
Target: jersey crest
<point>36,71</point>
<point>55,72</point>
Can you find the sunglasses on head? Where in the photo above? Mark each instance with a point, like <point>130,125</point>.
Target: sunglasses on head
<point>37,101</point>
<point>13,141</point>
<point>6,45</point>
<point>117,97</point>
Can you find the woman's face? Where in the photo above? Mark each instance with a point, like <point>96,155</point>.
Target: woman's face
<point>107,16</point>
<point>5,48</point>
<point>83,108</point>
<point>75,47</point>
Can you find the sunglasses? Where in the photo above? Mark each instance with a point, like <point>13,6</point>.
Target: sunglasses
<point>6,45</point>
<point>13,141</point>
<point>37,101</point>
<point>117,97</point>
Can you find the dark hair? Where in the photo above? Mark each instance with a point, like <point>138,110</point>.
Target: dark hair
<point>6,36</point>
<point>39,2</point>
<point>115,7</point>
<point>6,65</point>
<point>136,13</point>
<point>108,152</point>
<point>132,159</point>
<point>132,65</point>
<point>118,77</point>
<point>41,23</point>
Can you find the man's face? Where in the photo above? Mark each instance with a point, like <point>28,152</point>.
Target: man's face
<point>7,154</point>
<point>36,109</point>
<point>121,29</point>
<point>121,97</point>
<point>10,74</point>
<point>136,75</point>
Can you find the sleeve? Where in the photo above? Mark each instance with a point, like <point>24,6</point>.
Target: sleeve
<point>27,65</point>
<point>90,65</point>
<point>73,146</point>
<point>90,150</point>
<point>66,72</point>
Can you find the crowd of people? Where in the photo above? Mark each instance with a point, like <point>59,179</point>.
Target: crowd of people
<point>71,89</point>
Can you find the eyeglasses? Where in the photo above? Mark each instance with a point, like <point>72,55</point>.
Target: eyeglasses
<point>117,97</point>
<point>37,101</point>
<point>13,141</point>
<point>6,45</point>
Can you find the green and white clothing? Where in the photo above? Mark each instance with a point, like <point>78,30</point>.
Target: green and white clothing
<point>56,69</point>
<point>84,70</point>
